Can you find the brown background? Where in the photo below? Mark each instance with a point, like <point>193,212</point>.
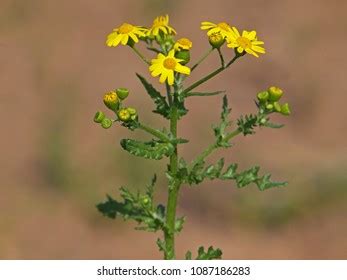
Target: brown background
<point>56,164</point>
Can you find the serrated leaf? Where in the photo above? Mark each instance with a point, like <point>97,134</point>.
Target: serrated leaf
<point>188,255</point>
<point>150,150</point>
<point>163,107</point>
<point>210,254</point>
<point>246,124</point>
<point>179,224</point>
<point>246,177</point>
<point>265,183</point>
<point>230,173</point>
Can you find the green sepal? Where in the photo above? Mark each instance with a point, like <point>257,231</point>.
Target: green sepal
<point>150,150</point>
<point>163,107</point>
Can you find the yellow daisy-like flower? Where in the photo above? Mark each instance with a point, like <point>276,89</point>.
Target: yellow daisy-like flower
<point>123,33</point>
<point>165,66</point>
<point>247,42</point>
<point>183,44</point>
<point>222,27</point>
<point>161,23</point>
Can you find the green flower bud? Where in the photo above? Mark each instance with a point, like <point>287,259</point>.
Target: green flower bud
<point>122,93</point>
<point>132,111</point>
<point>263,121</point>
<point>183,54</point>
<point>277,107</point>
<point>216,40</point>
<point>99,117</point>
<point>111,100</point>
<point>275,93</point>
<point>145,200</point>
<point>269,106</point>
<point>263,96</point>
<point>106,123</point>
<point>124,115</point>
<point>285,110</point>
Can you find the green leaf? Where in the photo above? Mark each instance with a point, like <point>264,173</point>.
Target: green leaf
<point>273,125</point>
<point>188,255</point>
<point>210,254</point>
<point>204,93</point>
<point>150,150</point>
<point>137,207</point>
<point>220,129</point>
<point>265,183</point>
<point>163,107</point>
<point>179,224</point>
<point>230,173</point>
<point>181,109</point>
<point>246,124</point>
<point>161,244</point>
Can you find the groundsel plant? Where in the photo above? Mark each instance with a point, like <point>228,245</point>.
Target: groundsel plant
<point>170,62</point>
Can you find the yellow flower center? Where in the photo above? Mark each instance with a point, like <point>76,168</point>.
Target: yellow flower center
<point>125,28</point>
<point>224,26</point>
<point>216,37</point>
<point>244,42</point>
<point>170,63</point>
<point>110,97</point>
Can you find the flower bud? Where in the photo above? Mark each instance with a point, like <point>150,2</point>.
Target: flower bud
<point>277,107</point>
<point>183,54</point>
<point>263,96</point>
<point>111,100</point>
<point>285,110</point>
<point>269,106</point>
<point>216,40</point>
<point>106,123</point>
<point>145,200</point>
<point>275,93</point>
<point>124,115</point>
<point>99,117</point>
<point>122,93</point>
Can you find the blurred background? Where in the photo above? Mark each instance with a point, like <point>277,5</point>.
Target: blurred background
<point>56,164</point>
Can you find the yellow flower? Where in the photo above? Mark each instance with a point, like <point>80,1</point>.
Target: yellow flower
<point>165,66</point>
<point>222,27</point>
<point>161,23</point>
<point>123,33</point>
<point>183,44</point>
<point>248,42</point>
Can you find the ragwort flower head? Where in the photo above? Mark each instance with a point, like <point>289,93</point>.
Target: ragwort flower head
<point>161,23</point>
<point>247,42</point>
<point>183,44</point>
<point>123,33</point>
<point>222,28</point>
<point>165,66</point>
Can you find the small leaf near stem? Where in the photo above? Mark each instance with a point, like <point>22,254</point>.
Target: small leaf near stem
<point>140,55</point>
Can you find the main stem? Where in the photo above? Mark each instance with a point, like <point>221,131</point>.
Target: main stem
<point>169,233</point>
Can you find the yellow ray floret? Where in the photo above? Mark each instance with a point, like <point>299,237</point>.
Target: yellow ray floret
<point>183,44</point>
<point>123,33</point>
<point>161,23</point>
<point>247,42</point>
<point>222,28</point>
<point>165,66</point>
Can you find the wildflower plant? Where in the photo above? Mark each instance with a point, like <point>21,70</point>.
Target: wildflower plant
<point>171,64</point>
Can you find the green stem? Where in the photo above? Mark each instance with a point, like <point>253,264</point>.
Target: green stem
<point>168,93</point>
<point>221,57</point>
<point>140,55</point>
<point>169,233</point>
<point>202,59</point>
<point>211,75</point>
<point>162,136</point>
<point>214,147</point>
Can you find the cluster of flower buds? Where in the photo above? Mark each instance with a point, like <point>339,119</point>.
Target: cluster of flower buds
<point>269,101</point>
<point>113,101</point>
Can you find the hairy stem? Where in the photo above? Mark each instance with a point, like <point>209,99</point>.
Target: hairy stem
<point>174,186</point>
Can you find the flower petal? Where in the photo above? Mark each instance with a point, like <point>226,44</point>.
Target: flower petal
<point>182,69</point>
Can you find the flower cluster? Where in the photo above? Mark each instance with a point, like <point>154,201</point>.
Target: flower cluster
<point>173,54</point>
<point>269,101</point>
<point>113,101</point>
<point>246,42</point>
